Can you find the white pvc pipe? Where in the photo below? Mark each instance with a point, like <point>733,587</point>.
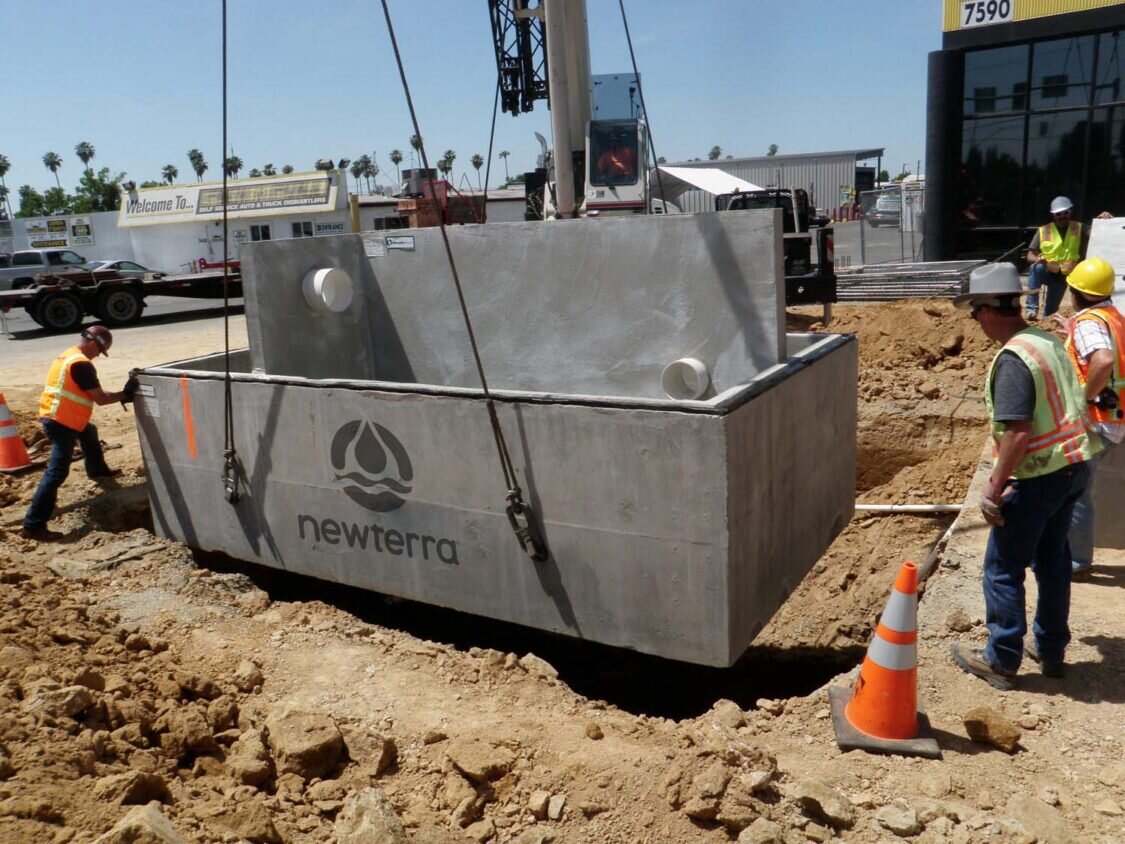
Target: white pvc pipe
<point>685,379</point>
<point>909,508</point>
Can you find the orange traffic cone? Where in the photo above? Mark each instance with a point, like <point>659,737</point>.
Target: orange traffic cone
<point>13,453</point>
<point>881,714</point>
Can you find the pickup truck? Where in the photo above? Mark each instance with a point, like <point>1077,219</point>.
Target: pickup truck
<point>26,264</point>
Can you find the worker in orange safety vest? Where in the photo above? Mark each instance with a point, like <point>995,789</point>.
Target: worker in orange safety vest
<point>65,408</point>
<point>1095,340</point>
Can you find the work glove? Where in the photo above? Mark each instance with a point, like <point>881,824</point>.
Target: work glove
<point>130,389</point>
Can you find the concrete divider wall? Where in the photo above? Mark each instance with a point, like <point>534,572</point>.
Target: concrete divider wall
<point>573,306</point>
<point>1109,501</point>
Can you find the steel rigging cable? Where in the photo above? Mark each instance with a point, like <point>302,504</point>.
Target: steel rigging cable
<point>520,515</point>
<point>230,453</point>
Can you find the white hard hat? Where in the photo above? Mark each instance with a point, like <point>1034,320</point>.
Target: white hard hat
<point>1060,204</point>
<point>992,284</point>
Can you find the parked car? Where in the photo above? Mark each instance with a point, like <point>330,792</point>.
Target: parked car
<point>887,211</point>
<point>28,263</point>
<point>129,269</point>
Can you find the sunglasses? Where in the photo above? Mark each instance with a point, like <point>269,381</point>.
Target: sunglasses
<point>976,309</point>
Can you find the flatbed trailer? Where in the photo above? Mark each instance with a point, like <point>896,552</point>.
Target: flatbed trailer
<point>60,301</point>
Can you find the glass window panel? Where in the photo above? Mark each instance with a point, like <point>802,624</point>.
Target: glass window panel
<point>1056,145</point>
<point>996,80</point>
<point>1061,72</point>
<point>991,158</point>
<point>1106,188</point>
<point>1111,69</point>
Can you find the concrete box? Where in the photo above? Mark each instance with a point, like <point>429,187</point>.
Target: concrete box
<point>675,528</point>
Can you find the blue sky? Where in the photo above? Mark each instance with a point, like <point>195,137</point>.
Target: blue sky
<point>141,80</point>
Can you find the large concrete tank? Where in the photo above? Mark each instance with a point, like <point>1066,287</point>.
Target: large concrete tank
<point>676,527</point>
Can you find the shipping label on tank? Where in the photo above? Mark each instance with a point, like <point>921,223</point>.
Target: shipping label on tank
<point>148,405</point>
<point>373,246</point>
<point>370,467</point>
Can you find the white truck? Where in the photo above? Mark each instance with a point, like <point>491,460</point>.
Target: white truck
<point>26,264</point>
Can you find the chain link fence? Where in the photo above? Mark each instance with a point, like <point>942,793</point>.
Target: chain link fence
<point>892,225</point>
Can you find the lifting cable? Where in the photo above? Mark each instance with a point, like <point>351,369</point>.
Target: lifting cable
<point>488,164</point>
<point>230,453</point>
<point>520,515</point>
<point>644,108</point>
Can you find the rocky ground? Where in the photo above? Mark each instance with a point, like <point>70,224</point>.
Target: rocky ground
<point>150,694</point>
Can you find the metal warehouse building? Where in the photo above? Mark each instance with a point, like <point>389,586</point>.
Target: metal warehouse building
<point>831,178</point>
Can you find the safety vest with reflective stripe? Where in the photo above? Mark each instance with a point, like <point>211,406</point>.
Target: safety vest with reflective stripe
<point>1059,433</point>
<point>63,400</point>
<point>1116,323</point>
<point>1061,253</point>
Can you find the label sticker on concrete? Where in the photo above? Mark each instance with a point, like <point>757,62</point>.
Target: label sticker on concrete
<point>149,405</point>
<point>404,242</point>
<point>146,390</point>
<point>373,245</point>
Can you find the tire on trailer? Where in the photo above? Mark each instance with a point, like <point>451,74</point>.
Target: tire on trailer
<point>60,311</point>
<point>119,305</point>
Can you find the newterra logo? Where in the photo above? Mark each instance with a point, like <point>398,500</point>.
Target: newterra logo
<point>373,469</point>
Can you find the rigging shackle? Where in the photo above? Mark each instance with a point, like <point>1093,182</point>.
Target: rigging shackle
<point>230,477</point>
<point>523,523</point>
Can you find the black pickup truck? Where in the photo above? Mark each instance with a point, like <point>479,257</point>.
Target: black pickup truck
<point>806,282</point>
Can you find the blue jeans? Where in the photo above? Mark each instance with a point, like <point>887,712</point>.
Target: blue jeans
<point>58,467</point>
<point>1036,522</point>
<point>1039,276</point>
<point>1082,522</point>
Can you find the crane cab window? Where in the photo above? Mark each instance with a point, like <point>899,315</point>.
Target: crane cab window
<point>613,152</point>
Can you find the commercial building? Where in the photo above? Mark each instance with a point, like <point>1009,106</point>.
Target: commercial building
<point>1026,102</point>
<point>175,225</point>
<point>831,178</point>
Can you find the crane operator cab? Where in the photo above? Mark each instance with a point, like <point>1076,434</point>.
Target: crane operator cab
<point>616,167</point>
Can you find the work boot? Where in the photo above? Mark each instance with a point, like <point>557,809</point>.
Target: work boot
<point>973,661</point>
<point>40,533</point>
<point>1049,668</point>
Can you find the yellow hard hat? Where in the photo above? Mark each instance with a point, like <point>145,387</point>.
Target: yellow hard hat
<point>1094,277</point>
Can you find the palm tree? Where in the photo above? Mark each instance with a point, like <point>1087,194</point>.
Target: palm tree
<point>170,173</point>
<point>53,161</point>
<point>232,166</point>
<point>445,167</point>
<point>477,161</point>
<point>287,169</point>
<point>396,159</point>
<point>85,153</point>
<point>255,173</point>
<point>198,163</point>
<point>504,157</point>
<point>416,144</point>
<point>5,166</point>
<point>450,156</point>
<point>269,170</point>
<point>715,153</point>
<point>357,172</point>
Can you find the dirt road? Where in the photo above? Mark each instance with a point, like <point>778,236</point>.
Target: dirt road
<point>261,708</point>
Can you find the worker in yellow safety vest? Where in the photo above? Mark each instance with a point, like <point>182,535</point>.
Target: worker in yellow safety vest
<point>1055,250</point>
<point>1042,449</point>
<point>65,407</point>
<point>1095,340</point>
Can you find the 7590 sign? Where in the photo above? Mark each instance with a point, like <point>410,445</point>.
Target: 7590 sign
<point>985,12</point>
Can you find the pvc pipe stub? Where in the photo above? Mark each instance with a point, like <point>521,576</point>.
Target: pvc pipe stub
<point>685,379</point>
<point>328,290</point>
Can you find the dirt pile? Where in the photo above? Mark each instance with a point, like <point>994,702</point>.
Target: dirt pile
<point>144,697</point>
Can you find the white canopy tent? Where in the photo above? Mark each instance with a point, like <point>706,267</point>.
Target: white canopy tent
<point>670,183</point>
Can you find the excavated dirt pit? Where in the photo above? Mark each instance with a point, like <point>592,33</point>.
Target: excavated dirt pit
<point>634,682</point>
